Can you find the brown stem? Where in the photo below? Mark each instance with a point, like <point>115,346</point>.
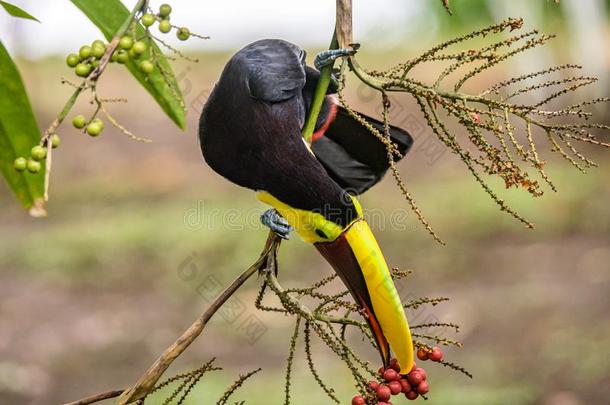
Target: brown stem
<point>344,23</point>
<point>96,398</point>
<point>147,382</point>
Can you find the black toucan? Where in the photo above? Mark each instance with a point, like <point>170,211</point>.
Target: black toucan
<point>250,133</point>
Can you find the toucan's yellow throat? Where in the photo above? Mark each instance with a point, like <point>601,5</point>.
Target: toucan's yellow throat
<point>354,254</point>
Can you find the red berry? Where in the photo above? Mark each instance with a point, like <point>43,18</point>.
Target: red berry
<point>423,388</point>
<point>415,378</point>
<point>390,375</point>
<point>421,371</point>
<point>383,393</point>
<point>422,353</point>
<point>381,370</point>
<point>436,354</point>
<point>395,387</point>
<point>394,365</point>
<point>405,386</point>
<point>476,117</point>
<point>373,385</point>
<point>358,400</point>
<point>411,395</point>
<point>383,403</point>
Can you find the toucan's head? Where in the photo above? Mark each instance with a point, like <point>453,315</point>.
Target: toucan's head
<point>353,252</point>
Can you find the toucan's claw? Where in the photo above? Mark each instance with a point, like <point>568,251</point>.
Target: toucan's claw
<point>277,223</point>
<point>328,57</point>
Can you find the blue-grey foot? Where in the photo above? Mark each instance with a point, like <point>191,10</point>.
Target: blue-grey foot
<point>277,223</point>
<point>328,57</point>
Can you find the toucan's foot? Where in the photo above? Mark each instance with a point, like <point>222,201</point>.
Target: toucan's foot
<point>277,223</point>
<point>326,58</point>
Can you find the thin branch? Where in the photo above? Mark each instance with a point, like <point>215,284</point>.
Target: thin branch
<point>96,398</point>
<point>147,382</point>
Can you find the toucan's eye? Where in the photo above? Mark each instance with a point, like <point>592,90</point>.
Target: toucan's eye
<point>321,234</point>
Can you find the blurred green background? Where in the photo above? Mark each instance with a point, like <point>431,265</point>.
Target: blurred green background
<point>92,294</point>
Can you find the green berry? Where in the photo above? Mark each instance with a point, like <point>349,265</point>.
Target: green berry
<point>183,34</point>
<point>79,121</point>
<point>122,56</point>
<point>126,42</point>
<point>98,50</point>
<point>147,66</point>
<point>84,52</point>
<point>55,141</point>
<point>20,164</point>
<point>165,10</point>
<point>114,57</point>
<point>83,69</point>
<point>33,166</point>
<point>72,60</point>
<point>38,152</point>
<point>94,128</point>
<point>148,19</point>
<point>98,42</point>
<point>95,63</point>
<point>139,47</point>
<point>165,26</point>
<point>133,55</point>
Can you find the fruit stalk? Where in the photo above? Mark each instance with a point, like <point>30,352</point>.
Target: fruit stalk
<point>88,82</point>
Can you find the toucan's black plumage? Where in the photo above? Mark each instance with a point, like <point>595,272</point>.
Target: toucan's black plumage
<point>352,156</point>
<point>269,89</point>
<point>263,85</point>
<point>250,133</point>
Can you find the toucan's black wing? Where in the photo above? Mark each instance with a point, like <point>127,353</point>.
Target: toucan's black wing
<point>353,156</point>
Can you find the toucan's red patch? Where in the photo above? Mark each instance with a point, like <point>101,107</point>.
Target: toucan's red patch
<point>332,114</point>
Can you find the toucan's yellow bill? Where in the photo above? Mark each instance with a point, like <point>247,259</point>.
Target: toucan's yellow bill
<point>357,258</point>
<point>355,255</point>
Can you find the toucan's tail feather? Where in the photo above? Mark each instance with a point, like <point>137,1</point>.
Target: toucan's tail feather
<point>353,156</point>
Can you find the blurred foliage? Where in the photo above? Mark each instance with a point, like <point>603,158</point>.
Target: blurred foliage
<point>94,291</point>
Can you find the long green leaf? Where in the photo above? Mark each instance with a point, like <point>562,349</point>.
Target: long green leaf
<point>18,134</point>
<point>108,16</point>
<point>16,11</point>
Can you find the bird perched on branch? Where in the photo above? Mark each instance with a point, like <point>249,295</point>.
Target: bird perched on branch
<point>250,133</point>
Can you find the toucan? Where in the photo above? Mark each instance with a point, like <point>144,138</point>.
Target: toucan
<point>250,132</point>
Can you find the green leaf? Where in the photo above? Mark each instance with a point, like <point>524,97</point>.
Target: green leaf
<point>16,11</point>
<point>109,16</point>
<point>18,134</point>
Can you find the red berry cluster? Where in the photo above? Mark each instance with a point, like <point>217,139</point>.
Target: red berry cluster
<point>412,385</point>
<point>434,354</point>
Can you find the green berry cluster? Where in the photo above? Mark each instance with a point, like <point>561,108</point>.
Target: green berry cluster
<point>149,19</point>
<point>93,127</point>
<point>37,154</point>
<point>87,58</point>
<point>129,48</point>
